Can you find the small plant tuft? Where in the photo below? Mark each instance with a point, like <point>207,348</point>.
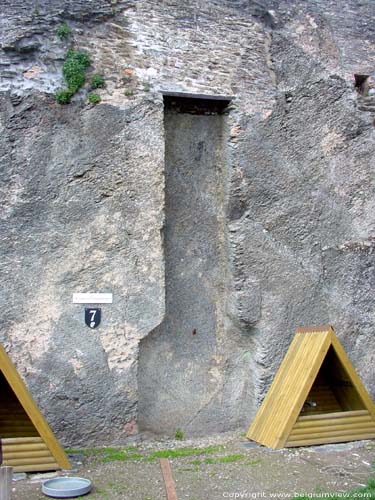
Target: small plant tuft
<point>254,462</point>
<point>94,98</point>
<point>184,452</point>
<point>128,92</point>
<point>63,96</point>
<point>74,69</point>
<point>97,81</point>
<point>179,435</point>
<point>63,31</point>
<point>227,459</point>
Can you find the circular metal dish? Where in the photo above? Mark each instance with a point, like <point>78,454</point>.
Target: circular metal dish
<point>66,487</point>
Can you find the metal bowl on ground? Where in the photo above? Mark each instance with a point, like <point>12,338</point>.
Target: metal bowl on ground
<point>66,487</point>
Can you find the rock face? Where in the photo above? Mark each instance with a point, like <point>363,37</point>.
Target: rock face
<point>269,203</point>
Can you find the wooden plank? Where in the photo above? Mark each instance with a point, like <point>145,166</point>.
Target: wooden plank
<point>29,461</point>
<point>339,414</point>
<point>22,440</point>
<point>330,439</point>
<point>5,482</point>
<point>36,468</point>
<point>32,410</point>
<point>24,448</point>
<point>10,455</point>
<point>334,422</point>
<point>166,470</point>
<point>332,431</point>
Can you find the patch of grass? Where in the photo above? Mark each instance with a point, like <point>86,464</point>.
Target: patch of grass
<point>63,96</point>
<point>196,462</point>
<point>86,451</point>
<point>118,455</point>
<point>63,31</point>
<point>97,81</point>
<point>227,459</point>
<point>128,92</point>
<point>185,452</point>
<point>209,461</point>
<point>94,98</point>
<point>106,455</point>
<point>179,434</point>
<point>254,462</point>
<point>146,88</point>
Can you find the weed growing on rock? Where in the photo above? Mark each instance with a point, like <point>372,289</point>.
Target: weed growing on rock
<point>74,71</point>
<point>97,81</point>
<point>63,96</point>
<point>179,435</point>
<point>63,31</point>
<point>94,98</point>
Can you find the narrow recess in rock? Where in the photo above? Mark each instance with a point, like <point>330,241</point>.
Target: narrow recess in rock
<point>360,83</point>
<point>176,359</point>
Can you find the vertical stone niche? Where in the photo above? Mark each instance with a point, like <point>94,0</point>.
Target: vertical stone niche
<point>176,360</point>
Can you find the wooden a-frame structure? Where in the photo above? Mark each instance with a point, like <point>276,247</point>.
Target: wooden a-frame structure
<point>26,440</point>
<point>316,396</point>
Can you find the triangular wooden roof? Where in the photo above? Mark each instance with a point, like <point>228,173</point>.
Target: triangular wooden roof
<point>290,388</point>
<point>38,435</point>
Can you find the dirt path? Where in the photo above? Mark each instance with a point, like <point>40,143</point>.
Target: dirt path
<point>224,466</point>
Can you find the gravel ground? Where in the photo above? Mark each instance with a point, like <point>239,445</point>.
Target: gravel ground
<point>225,466</point>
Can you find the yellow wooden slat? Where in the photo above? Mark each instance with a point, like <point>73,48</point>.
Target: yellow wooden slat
<point>28,454</point>
<point>21,440</point>
<point>341,414</point>
<point>331,439</point>
<point>37,468</point>
<point>31,448</point>
<point>17,385</point>
<point>332,430</point>
<point>14,462</point>
<point>310,424</point>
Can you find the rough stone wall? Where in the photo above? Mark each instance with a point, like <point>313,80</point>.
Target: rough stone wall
<point>82,204</point>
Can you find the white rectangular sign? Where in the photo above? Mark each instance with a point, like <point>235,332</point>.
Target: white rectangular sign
<point>92,298</point>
